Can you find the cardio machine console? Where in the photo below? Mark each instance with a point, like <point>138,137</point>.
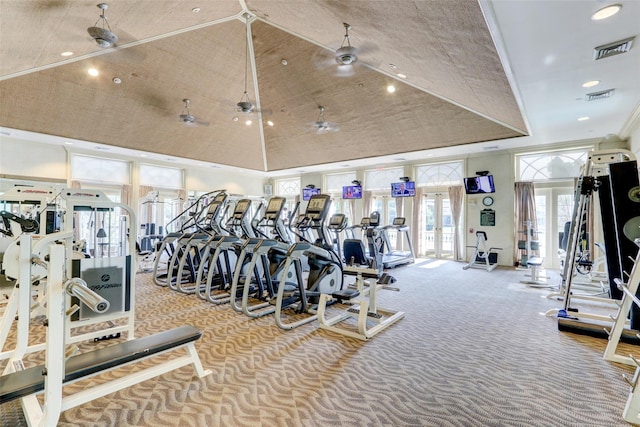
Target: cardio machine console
<point>274,208</point>
<point>398,221</point>
<point>241,209</point>
<point>318,208</point>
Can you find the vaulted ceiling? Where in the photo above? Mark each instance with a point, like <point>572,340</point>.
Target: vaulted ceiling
<point>455,92</point>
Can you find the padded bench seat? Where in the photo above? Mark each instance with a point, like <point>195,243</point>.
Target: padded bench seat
<point>29,381</point>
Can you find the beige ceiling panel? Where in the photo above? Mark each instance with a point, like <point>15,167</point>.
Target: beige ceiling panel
<point>371,121</point>
<point>206,66</point>
<point>443,47</point>
<point>35,32</point>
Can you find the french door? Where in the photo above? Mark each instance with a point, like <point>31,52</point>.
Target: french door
<point>554,207</point>
<point>438,232</point>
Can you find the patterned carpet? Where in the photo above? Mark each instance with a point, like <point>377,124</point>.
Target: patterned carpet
<point>472,350</point>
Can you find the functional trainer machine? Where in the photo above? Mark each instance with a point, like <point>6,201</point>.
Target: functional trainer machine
<point>483,256</point>
<point>64,367</point>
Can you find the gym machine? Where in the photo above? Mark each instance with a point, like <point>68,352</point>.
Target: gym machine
<point>392,257</point>
<point>325,274</point>
<point>483,256</point>
<point>63,366</point>
<point>614,175</point>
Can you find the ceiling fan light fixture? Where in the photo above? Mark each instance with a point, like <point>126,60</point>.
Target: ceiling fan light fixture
<point>103,36</point>
<point>346,54</point>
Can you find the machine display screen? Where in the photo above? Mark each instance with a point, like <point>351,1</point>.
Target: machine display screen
<point>241,207</point>
<point>316,205</point>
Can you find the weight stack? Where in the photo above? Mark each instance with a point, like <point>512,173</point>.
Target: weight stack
<point>625,207</point>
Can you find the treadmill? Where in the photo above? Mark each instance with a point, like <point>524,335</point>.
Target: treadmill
<point>391,257</point>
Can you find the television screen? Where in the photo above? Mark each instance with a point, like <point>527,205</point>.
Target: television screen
<point>403,189</point>
<point>479,184</point>
<point>308,192</point>
<point>352,192</point>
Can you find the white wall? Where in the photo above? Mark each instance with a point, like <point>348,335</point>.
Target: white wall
<point>500,165</point>
<point>31,159</point>
<point>203,179</point>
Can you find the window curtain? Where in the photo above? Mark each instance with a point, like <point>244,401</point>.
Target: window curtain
<point>525,210</point>
<point>125,195</point>
<point>456,195</point>
<point>366,203</point>
<point>399,206</point>
<point>352,211</point>
<point>418,223</point>
<point>75,184</point>
<point>144,190</point>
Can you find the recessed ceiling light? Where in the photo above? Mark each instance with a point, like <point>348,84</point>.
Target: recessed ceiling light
<point>591,83</point>
<point>93,72</point>
<point>402,76</point>
<point>234,118</point>
<point>391,88</point>
<point>393,66</point>
<point>582,119</point>
<point>606,12</point>
<point>270,123</point>
<point>117,80</point>
<point>195,10</point>
<point>248,122</point>
<point>284,61</point>
<point>67,53</point>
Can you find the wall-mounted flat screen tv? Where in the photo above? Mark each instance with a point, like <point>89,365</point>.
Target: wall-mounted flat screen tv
<point>308,192</point>
<point>352,192</point>
<point>403,189</point>
<point>479,184</point>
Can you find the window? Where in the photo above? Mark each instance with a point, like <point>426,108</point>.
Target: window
<point>96,169</point>
<point>161,177</point>
<point>288,187</point>
<point>380,180</point>
<point>333,183</point>
<point>439,175</point>
<point>557,165</point>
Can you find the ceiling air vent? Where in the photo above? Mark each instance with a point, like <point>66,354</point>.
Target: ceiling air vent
<point>611,49</point>
<point>594,96</point>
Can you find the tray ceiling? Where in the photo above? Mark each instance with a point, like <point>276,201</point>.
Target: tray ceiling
<point>455,91</point>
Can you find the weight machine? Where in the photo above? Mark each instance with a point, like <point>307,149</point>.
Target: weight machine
<point>62,365</point>
<point>483,257</point>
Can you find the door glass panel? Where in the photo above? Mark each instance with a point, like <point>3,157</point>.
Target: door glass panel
<point>447,228</point>
<point>430,225</point>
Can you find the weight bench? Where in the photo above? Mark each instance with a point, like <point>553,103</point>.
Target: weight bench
<point>535,267</point>
<point>362,300</point>
<point>28,382</point>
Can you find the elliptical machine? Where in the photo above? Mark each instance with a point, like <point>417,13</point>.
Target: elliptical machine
<point>325,267</point>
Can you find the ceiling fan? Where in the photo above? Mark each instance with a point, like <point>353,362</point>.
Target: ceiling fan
<point>344,60</point>
<point>103,36</point>
<point>346,54</point>
<point>245,105</point>
<point>322,126</point>
<point>189,119</point>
